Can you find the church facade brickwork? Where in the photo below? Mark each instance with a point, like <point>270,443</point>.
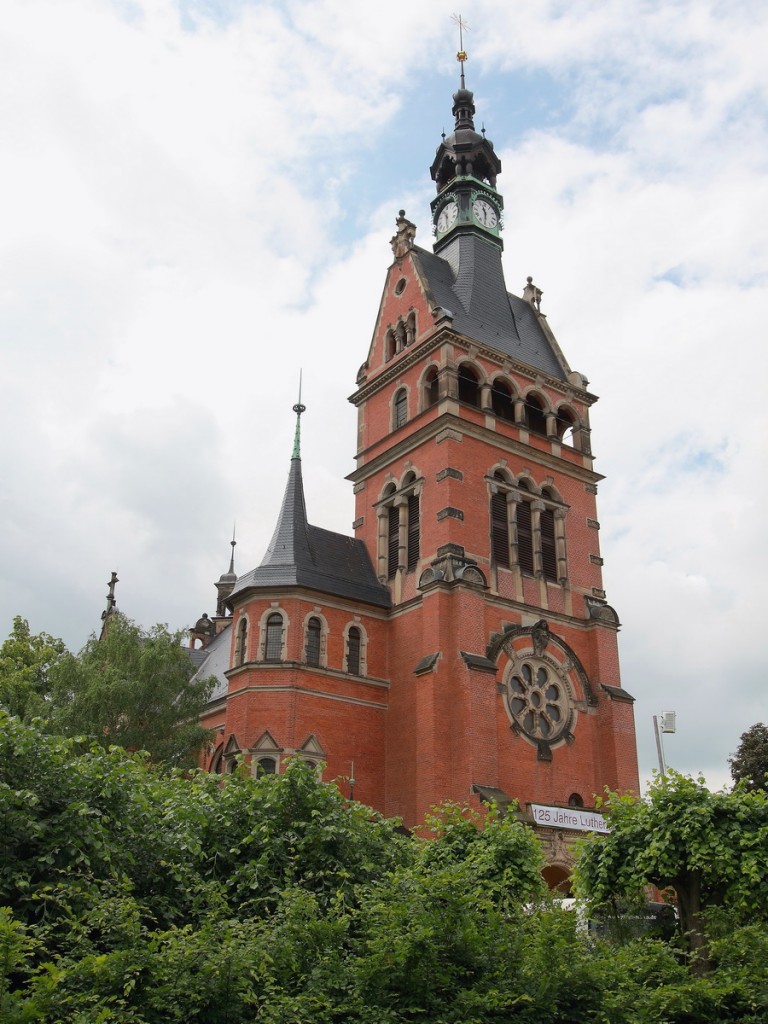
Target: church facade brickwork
<point>458,647</point>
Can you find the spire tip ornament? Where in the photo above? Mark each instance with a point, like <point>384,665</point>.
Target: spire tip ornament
<point>298,409</point>
<point>461,56</point>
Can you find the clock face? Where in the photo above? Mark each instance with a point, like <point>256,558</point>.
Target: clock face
<point>447,217</point>
<point>485,213</point>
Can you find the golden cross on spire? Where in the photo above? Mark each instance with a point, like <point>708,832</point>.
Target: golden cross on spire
<point>461,56</point>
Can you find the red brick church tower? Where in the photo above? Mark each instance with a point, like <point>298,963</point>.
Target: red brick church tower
<point>460,647</point>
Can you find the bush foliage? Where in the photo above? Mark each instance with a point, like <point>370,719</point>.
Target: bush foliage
<point>134,895</point>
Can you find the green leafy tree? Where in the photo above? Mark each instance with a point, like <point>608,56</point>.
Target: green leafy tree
<point>132,688</point>
<point>710,848</point>
<point>749,765</point>
<point>133,894</point>
<point>27,662</point>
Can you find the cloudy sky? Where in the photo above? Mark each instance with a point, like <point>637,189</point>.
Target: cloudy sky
<point>196,201</point>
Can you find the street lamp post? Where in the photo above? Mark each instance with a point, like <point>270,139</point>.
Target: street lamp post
<point>668,724</point>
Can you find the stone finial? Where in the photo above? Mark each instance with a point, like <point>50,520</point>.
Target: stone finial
<point>402,240</point>
<point>533,294</point>
<point>204,624</point>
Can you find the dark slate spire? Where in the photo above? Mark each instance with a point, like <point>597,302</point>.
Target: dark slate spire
<point>227,580</point>
<point>290,542</point>
<point>307,556</point>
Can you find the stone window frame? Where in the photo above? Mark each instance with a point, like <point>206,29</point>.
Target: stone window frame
<point>242,635</point>
<point>266,748</point>
<point>495,384</point>
<point>357,624</point>
<point>566,418</point>
<point>429,387</point>
<point>216,766</point>
<point>481,383</point>
<point>312,752</point>
<point>274,609</point>
<point>323,653</point>
<point>394,496</point>
<point>522,488</point>
<point>399,407</point>
<point>400,335</point>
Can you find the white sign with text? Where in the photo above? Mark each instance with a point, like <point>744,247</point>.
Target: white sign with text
<point>569,817</point>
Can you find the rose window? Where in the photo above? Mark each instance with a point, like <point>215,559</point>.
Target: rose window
<point>538,701</point>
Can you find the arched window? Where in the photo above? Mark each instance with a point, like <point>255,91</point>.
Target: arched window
<point>575,800</point>
<point>353,650</point>
<point>431,388</point>
<point>390,344</point>
<point>502,401</point>
<point>400,409</point>
<point>499,526</point>
<point>469,389</point>
<point>524,532</point>
<point>266,766</point>
<point>314,634</point>
<point>564,424</point>
<point>413,532</point>
<point>535,416</point>
<point>241,643</point>
<point>273,646</point>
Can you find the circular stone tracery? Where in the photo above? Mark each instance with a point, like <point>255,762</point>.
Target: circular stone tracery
<point>538,700</point>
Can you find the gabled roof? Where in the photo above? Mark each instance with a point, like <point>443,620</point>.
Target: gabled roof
<point>467,279</point>
<point>213,660</point>
<point>307,556</point>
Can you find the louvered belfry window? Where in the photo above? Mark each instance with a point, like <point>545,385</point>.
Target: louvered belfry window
<point>401,408</point>
<point>499,529</point>
<point>548,547</point>
<point>353,651</point>
<point>524,537</point>
<point>413,531</point>
<point>393,541</point>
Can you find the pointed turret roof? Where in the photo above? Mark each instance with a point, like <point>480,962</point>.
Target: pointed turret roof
<point>464,275</point>
<point>303,555</point>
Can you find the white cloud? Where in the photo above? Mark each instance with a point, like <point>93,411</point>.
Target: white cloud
<point>182,231</point>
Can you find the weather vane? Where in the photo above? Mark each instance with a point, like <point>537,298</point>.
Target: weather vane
<point>461,56</point>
